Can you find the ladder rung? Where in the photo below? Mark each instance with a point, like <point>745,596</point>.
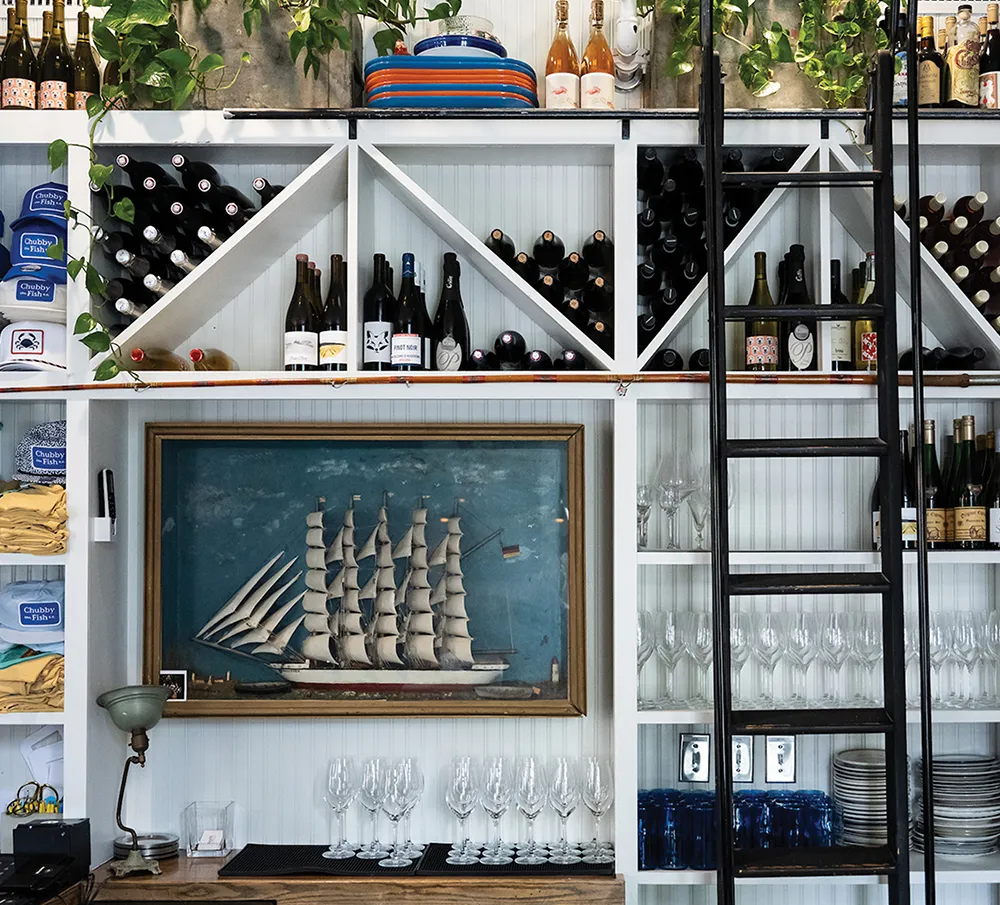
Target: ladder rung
<point>810,722</point>
<point>826,446</point>
<point>757,583</point>
<point>789,312</point>
<point>837,861</point>
<point>807,178</point>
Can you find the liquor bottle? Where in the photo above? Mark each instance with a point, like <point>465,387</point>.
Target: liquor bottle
<point>157,360</point>
<point>667,204</point>
<point>409,325</point>
<point>548,251</point>
<point>333,321</point>
<point>841,338</point>
<point>648,228</point>
<point>963,62</point>
<point>451,327</point>
<point>647,327</point>
<point>573,272</point>
<point>184,261</point>
<point>648,280</point>
<point>86,77</point>
<point>266,191</point>
<point>562,68</point>
<point>599,251</point>
<point>966,493</point>
<point>194,171</point>
<point>972,207</point>
<point>989,61</point>
<point>900,45</point>
<point>131,310</point>
<point>550,290</point>
<point>509,348</point>
<point>798,337</point>
<point>502,246</point>
<point>909,493</point>
<point>218,196</point>
<point>19,70</point>
<point>301,335</point>
<point>212,360</point>
<point>650,172</point>
<point>665,360</point>
<point>865,336</point>
<point>598,296</point>
<point>569,360</point>
<point>600,330</point>
<point>144,175</point>
<point>761,332</point>
<point>482,360</point>
<point>701,360</point>
<point>156,284</point>
<point>597,68</point>
<point>932,207</point>
<point>536,360</point>
<point>935,520</point>
<point>525,267</point>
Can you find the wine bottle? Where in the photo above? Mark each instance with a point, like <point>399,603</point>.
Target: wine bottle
<point>55,69</point>
<point>573,272</point>
<point>972,207</point>
<point>931,66</point>
<point>301,335</point>
<point>647,228</point>
<point>701,360</point>
<point>217,196</point>
<point>939,250</point>
<point>687,172</point>
<point>156,284</point>
<point>575,311</point>
<point>164,243</point>
<point>46,34</point>
<point>909,494</point>
<point>932,207</point>
<point>536,360</point>
<point>266,191</point>
<point>165,197</point>
<point>378,315</point>
<point>963,61</point>
<point>138,266</point>
<point>899,206</point>
<point>597,67</point>
<point>482,360</point>
<point>19,71</point>
<point>950,231</point>
<point>961,358</point>
<point>236,215</point>
<point>599,251</point>
<point>333,321</point>
<point>876,512</point>
<point>569,360</point>
<point>935,520</point>
<point>550,290</point>
<point>451,327</point>
<point>562,68</point>
<point>841,340</point>
<point>548,251</point>
<point>865,335</point>
<point>157,360</point>
<point>667,254</point>
<point>408,327</point>
<point>732,223</point>
<point>798,343</point>
<point>510,348</point>
<point>960,274</point>
<point>691,272</point>
<point>966,493</point>
<point>502,246</point>
<point>194,171</point>
<point>315,294</point>
<point>665,360</point>
<point>11,25</point>
<point>210,238</point>
<point>131,310</point>
<point>761,330</point>
<point>212,360</point>
<point>601,332</point>
<point>665,305</point>
<point>86,77</point>
<point>987,231</point>
<point>185,261</point>
<point>690,227</point>
<point>598,296</point>
<point>144,175</point>
<point>667,204</point>
<point>525,267</point>
<point>130,289</point>
<point>650,171</point>
<point>646,329</point>
<point>972,256</point>
<point>648,280</point>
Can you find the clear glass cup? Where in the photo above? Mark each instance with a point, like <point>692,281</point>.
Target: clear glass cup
<point>700,504</point>
<point>598,796</point>
<point>740,649</point>
<point>768,648</point>
<point>868,650</point>
<point>834,649</point>
<point>645,644</point>
<point>374,789</point>
<point>676,483</point>
<point>404,786</point>
<point>802,647</point>
<point>564,796</point>
<point>531,793</point>
<point>643,507</point>
<point>697,633</point>
<point>341,790</point>
<point>669,649</point>
<point>496,793</point>
<point>462,797</point>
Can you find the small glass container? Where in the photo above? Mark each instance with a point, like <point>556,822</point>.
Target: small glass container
<point>208,828</point>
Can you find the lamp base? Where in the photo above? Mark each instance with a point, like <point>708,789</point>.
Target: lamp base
<point>134,863</point>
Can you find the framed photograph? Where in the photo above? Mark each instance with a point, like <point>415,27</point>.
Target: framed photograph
<point>177,681</point>
<point>366,569</point>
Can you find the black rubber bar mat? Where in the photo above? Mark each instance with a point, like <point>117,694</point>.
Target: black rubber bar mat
<point>284,860</point>
<point>434,864</point>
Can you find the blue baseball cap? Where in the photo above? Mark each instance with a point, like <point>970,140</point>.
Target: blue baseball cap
<point>29,257</point>
<point>31,612</point>
<point>44,202</point>
<point>4,261</point>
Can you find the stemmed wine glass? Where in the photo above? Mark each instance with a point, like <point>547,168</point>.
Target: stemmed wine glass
<point>700,504</point>
<point>374,789</point>
<point>740,649</point>
<point>404,783</point>
<point>676,483</point>
<point>698,641</point>
<point>802,650</point>
<point>341,790</point>
<point>495,797</point>
<point>670,649</point>
<point>598,796</point>
<point>530,793</point>
<point>564,796</point>
<point>769,648</point>
<point>643,506</point>
<point>645,644</point>
<point>834,648</point>
<point>462,796</point>
<point>409,849</point>
<point>868,649</point>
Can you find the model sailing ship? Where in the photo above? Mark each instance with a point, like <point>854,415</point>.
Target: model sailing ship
<point>416,634</point>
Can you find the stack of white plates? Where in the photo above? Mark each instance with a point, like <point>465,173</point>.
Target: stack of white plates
<point>860,795</point>
<point>966,805</point>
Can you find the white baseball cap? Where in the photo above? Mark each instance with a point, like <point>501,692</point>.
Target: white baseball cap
<point>31,612</point>
<point>33,346</point>
<point>34,299</point>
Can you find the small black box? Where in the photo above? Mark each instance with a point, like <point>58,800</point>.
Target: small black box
<point>57,837</point>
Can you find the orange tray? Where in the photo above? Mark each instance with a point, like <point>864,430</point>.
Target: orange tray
<point>386,79</point>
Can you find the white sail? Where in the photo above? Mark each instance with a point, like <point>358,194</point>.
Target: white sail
<point>335,552</point>
<point>385,602</point>
<point>419,651</point>
<point>317,623</point>
<point>453,564</point>
<point>314,602</point>
<point>353,651</point>
<point>349,602</point>
<point>405,546</point>
<point>386,624</point>
<point>314,537</point>
<point>250,603</point>
<point>456,651</point>
<point>279,643</point>
<point>349,559</point>
<point>420,623</point>
<point>316,580</point>
<point>386,651</point>
<point>454,607</point>
<point>233,603</point>
<point>315,519</point>
<point>437,558</point>
<point>319,647</point>
<point>418,559</point>
<point>385,581</point>
<point>418,580</point>
<point>369,590</point>
<point>383,559</point>
<point>456,627</point>
<point>349,623</point>
<point>316,559</point>
<point>401,591</point>
<point>440,592</point>
<point>453,584</point>
<point>265,630</point>
<point>368,547</point>
<point>418,600</point>
<point>254,618</point>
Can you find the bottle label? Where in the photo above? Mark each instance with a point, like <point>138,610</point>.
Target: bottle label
<point>562,91</point>
<point>448,355</point>
<point>936,526</point>
<point>869,346</point>
<point>909,517</point>
<point>597,91</point>
<point>877,529</point>
<point>53,95</point>
<point>801,348</point>
<point>378,342</point>
<point>301,348</point>
<point>995,527</point>
<point>80,99</point>
<point>762,350</point>
<point>929,85</point>
<point>333,347</point>
<point>949,525</point>
<point>840,341</point>
<point>963,67</point>
<point>18,93</point>
<point>899,80</point>
<point>970,523</point>
<point>989,90</point>
<point>407,349</point>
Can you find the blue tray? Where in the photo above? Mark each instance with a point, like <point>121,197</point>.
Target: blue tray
<point>454,86</point>
<point>451,103</point>
<point>403,63</point>
<point>443,42</point>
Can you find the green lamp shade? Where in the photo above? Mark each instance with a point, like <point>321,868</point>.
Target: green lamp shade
<point>135,706</point>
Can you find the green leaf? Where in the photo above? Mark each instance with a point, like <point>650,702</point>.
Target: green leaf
<point>296,41</point>
<point>441,11</point>
<point>183,86</point>
<point>105,41</point>
<point>148,36</point>
<point>84,324</point>
<point>99,174</point>
<point>456,7</point>
<point>58,152</point>
<point>245,56</point>
<point>110,92</point>
<point>252,16</point>
<point>94,106</point>
<point>114,18</point>
<point>124,210</point>
<point>57,250</point>
<point>98,341</point>
<point>95,282</point>
<point>176,59</point>
<point>107,370</point>
<point>164,94</point>
<point>156,75</point>
<point>385,40</point>
<point>74,267</point>
<point>212,62</point>
<point>780,47</point>
<point>342,36</point>
<point>147,12</point>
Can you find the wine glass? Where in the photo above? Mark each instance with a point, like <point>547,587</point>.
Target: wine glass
<point>834,648</point>
<point>768,648</point>
<point>598,796</point>
<point>670,649</point>
<point>495,797</point>
<point>740,649</point>
<point>700,504</point>
<point>676,483</point>
<point>645,644</point>
<point>697,633</point>
<point>940,638</point>
<point>564,796</point>
<point>409,849</point>
<point>643,507</point>
<point>404,784</point>
<point>991,655</point>
<point>868,649</point>
<point>462,796</point>
<point>801,644</point>
<point>341,790</point>
<point>374,789</point>
<point>530,793</point>
<point>967,651</point>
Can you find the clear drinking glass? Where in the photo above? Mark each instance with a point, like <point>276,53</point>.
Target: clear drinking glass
<point>643,507</point>
<point>697,632</point>
<point>965,642</point>
<point>495,796</point>
<point>700,504</point>
<point>645,644</point>
<point>911,652</point>
<point>802,646</point>
<point>768,648</point>
<point>564,796</point>
<point>676,483</point>
<point>941,653</point>
<point>409,849</point>
<point>740,648</point>
<point>341,790</point>
<point>670,649</point>
<point>834,649</point>
<point>598,796</point>
<point>991,654</point>
<point>404,783</point>
<point>374,789</point>
<point>531,792</point>
<point>868,650</point>
<point>462,796</point>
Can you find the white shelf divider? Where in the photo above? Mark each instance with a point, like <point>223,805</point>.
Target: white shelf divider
<point>813,557</point>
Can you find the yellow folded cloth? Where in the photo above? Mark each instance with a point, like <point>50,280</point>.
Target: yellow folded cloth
<point>46,500</point>
<point>33,685</point>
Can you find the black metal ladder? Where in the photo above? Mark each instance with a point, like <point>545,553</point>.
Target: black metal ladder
<point>889,720</point>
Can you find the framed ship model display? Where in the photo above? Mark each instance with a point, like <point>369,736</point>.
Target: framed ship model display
<point>366,569</point>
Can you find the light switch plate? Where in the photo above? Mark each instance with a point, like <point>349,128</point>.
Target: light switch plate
<point>779,758</point>
<point>695,750</point>
<point>742,758</point>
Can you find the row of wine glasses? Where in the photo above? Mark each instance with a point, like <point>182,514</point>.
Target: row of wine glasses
<point>529,784</point>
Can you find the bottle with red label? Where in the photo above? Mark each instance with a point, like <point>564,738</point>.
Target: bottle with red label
<point>19,69</point>
<point>761,329</point>
<point>597,69</point>
<point>562,69</point>
<point>865,337</point>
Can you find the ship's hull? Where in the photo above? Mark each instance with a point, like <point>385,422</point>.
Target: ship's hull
<point>383,680</point>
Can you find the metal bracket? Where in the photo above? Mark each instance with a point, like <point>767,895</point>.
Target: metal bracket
<point>622,388</point>
<point>742,758</point>
<point>779,759</point>
<point>695,755</point>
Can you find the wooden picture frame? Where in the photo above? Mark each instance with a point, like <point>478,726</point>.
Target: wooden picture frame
<point>189,556</point>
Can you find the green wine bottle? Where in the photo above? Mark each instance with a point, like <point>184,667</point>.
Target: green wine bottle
<point>55,72</point>
<point>86,78</point>
<point>17,90</point>
<point>761,332</point>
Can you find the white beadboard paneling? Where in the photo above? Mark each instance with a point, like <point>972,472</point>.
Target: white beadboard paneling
<point>274,769</point>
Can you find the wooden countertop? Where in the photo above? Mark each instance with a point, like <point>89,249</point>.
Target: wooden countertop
<point>196,879</point>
